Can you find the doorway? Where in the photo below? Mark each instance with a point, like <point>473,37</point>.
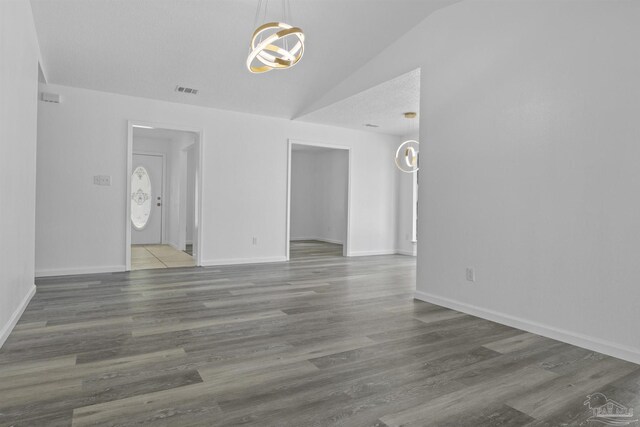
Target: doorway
<point>164,200</point>
<point>318,200</point>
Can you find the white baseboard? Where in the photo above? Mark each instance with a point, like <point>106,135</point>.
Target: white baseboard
<point>372,253</point>
<point>620,351</point>
<point>403,252</point>
<point>11,323</point>
<point>320,239</point>
<point>80,270</point>
<point>236,261</point>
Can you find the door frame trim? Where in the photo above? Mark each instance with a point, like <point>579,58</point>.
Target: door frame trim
<point>163,211</point>
<point>199,181</point>
<point>346,247</point>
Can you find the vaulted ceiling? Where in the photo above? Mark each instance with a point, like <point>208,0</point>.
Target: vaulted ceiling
<point>378,109</point>
<point>147,47</point>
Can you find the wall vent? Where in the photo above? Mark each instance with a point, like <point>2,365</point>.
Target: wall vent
<point>50,97</point>
<point>188,90</point>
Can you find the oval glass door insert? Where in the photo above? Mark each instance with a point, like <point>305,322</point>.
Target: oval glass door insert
<point>140,198</point>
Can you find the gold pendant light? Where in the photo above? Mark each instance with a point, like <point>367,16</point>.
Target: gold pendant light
<point>407,152</point>
<point>270,44</point>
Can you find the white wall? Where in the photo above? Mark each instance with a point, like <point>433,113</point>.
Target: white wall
<point>177,182</point>
<point>191,196</point>
<point>333,193</point>
<point>404,191</point>
<point>304,221</point>
<point>244,181</point>
<point>19,53</point>
<point>529,163</point>
<point>532,167</point>
<point>319,184</point>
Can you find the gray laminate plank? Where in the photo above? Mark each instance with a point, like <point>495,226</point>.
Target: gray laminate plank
<point>320,340</point>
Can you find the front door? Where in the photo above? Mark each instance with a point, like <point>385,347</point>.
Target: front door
<point>146,199</point>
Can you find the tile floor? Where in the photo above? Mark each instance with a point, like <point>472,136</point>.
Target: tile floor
<point>144,257</point>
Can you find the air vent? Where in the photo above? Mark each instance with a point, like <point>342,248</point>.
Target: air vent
<point>371,125</point>
<point>187,90</point>
<point>51,97</point>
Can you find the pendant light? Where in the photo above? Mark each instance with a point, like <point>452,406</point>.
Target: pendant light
<point>275,45</point>
<point>407,152</point>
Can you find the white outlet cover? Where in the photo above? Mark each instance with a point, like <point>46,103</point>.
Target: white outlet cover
<point>471,274</point>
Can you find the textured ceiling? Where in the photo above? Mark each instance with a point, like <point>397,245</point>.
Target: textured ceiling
<point>382,105</point>
<point>147,47</point>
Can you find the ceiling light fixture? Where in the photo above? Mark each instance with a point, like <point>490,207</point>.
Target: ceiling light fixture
<point>270,42</point>
<point>407,152</point>
<point>142,127</point>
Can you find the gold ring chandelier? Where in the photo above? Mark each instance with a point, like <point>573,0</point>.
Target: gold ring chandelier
<point>270,44</point>
<point>407,153</point>
<point>269,53</point>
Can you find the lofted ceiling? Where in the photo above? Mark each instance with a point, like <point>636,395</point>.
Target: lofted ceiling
<point>147,47</point>
<point>382,105</point>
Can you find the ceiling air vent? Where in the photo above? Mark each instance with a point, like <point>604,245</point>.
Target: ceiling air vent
<point>188,90</point>
<point>371,125</point>
<point>51,97</point>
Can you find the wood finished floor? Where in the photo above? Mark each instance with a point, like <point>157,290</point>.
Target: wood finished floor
<point>321,340</point>
<point>310,249</point>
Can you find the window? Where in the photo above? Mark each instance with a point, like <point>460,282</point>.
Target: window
<point>140,198</point>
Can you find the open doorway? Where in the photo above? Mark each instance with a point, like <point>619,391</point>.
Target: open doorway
<point>318,200</point>
<point>163,201</point>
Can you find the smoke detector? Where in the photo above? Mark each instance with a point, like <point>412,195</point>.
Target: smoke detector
<point>188,90</point>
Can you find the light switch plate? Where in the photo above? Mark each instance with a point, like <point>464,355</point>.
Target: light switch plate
<point>102,180</point>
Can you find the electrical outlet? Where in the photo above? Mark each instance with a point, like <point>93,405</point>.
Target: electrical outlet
<point>255,241</point>
<point>102,180</point>
<point>471,274</point>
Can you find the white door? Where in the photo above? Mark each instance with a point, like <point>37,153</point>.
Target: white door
<point>146,199</point>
